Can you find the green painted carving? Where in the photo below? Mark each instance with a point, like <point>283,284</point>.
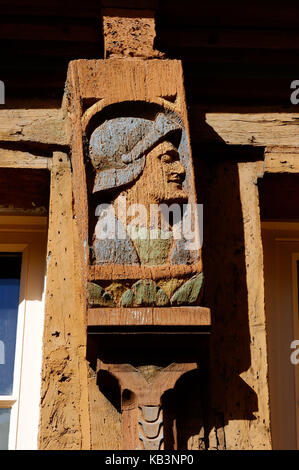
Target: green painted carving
<point>144,293</point>
<point>127,298</point>
<point>161,298</point>
<point>170,285</point>
<point>97,296</point>
<point>117,289</point>
<point>189,292</point>
<point>153,251</point>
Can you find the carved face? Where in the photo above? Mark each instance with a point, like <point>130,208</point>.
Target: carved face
<point>163,174</point>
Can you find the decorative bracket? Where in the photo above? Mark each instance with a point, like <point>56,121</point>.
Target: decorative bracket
<point>142,414</point>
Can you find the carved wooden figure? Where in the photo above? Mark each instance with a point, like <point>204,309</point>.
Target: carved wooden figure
<point>133,182</point>
<point>137,214</point>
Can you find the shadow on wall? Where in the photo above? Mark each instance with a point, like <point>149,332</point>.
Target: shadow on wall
<point>185,412</point>
<point>217,182</point>
<point>25,192</point>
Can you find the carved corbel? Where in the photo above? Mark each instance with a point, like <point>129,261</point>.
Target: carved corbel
<point>141,402</point>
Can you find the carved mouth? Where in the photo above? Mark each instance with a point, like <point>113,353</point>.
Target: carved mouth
<point>175,179</point>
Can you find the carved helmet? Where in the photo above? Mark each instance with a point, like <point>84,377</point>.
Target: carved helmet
<point>118,148</point>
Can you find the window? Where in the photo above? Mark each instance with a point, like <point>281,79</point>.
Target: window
<point>281,256</point>
<point>10,273</point>
<point>22,273</point>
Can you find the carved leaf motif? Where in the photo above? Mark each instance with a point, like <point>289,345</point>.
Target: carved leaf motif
<point>189,292</point>
<point>97,296</point>
<point>144,292</point>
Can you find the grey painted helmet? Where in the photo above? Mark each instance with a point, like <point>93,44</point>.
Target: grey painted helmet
<point>118,147</point>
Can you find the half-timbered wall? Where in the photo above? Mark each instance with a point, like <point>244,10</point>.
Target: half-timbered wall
<point>242,127</point>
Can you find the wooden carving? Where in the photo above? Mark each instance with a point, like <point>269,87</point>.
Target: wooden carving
<point>138,217</point>
<point>141,402</point>
<point>151,427</point>
<point>132,165</point>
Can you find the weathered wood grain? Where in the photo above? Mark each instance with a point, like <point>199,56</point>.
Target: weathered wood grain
<point>17,159</point>
<point>135,33</point>
<point>119,271</point>
<point>64,416</point>
<point>149,316</point>
<point>232,38</point>
<point>256,435</point>
<point>281,160</point>
<point>264,128</point>
<point>105,419</point>
<point>46,126</point>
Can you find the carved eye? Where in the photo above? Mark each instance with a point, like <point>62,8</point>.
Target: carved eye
<point>167,158</point>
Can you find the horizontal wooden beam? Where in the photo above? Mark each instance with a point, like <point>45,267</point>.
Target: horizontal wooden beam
<point>131,4</point>
<point>281,160</point>
<point>45,126</point>
<point>230,38</point>
<point>50,8</point>
<point>45,30</point>
<point>266,128</point>
<point>17,159</point>
<point>149,316</point>
<point>10,223</point>
<point>120,271</point>
<point>259,127</point>
<point>219,13</point>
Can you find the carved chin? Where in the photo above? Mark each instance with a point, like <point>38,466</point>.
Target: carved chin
<point>176,195</point>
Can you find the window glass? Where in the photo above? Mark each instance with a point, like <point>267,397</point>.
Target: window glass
<point>10,270</point>
<point>4,427</point>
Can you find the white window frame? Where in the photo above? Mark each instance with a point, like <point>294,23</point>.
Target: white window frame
<point>24,401</point>
<point>276,234</point>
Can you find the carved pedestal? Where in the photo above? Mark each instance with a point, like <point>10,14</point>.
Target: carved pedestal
<point>142,412</point>
<point>139,223</point>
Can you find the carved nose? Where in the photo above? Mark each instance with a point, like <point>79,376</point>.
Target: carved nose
<point>179,169</point>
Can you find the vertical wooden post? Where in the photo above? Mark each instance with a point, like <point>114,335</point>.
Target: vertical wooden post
<point>64,414</point>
